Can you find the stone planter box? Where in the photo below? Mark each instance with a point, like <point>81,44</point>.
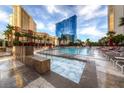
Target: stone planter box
<point>25,55</point>
<point>39,64</point>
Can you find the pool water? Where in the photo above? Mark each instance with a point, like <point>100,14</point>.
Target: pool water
<point>70,69</point>
<point>76,51</point>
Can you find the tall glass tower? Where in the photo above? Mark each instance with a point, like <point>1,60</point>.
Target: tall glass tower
<point>67,29</point>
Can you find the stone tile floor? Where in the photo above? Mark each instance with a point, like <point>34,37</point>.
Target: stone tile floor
<point>2,54</point>
<point>39,83</point>
<point>98,72</point>
<point>15,74</point>
<point>107,75</point>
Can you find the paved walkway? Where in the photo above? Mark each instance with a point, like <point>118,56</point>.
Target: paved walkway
<point>107,75</point>
<point>15,74</point>
<point>97,73</point>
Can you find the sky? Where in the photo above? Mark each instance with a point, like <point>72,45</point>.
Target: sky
<point>91,19</point>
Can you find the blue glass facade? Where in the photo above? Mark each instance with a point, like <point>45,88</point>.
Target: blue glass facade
<point>67,28</point>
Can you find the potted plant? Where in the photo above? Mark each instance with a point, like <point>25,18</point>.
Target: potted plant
<point>17,43</point>
<point>17,34</point>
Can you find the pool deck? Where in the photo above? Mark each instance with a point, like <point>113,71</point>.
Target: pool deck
<point>98,72</point>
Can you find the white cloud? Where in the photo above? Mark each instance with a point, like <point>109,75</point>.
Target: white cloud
<point>51,27</point>
<point>53,9</point>
<point>4,16</point>
<point>91,11</point>
<point>40,25</point>
<point>91,31</point>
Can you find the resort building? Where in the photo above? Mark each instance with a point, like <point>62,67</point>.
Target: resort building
<point>66,30</point>
<point>24,24</point>
<point>21,19</point>
<point>54,40</point>
<point>115,12</point>
<point>46,39</point>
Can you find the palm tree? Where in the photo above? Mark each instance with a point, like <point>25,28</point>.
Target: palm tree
<point>34,38</point>
<point>17,34</point>
<point>41,39</point>
<point>110,35</point>
<point>64,39</point>
<point>79,41</point>
<point>59,39</point>
<point>8,32</point>
<point>103,41</point>
<point>45,37</point>
<point>88,41</point>
<point>118,39</point>
<point>26,35</point>
<point>121,23</point>
<point>48,40</point>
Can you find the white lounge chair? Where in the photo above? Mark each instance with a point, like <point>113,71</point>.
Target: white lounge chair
<point>119,63</point>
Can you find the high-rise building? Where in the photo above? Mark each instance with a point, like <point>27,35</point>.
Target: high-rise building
<point>20,18</point>
<point>24,23</point>
<point>115,12</point>
<point>67,29</point>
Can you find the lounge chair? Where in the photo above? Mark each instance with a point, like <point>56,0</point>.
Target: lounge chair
<point>116,56</point>
<point>110,54</point>
<point>120,63</point>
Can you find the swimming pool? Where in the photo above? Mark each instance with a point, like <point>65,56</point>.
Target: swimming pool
<point>70,69</point>
<point>76,51</point>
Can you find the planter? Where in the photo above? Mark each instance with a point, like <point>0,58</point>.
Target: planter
<point>17,43</point>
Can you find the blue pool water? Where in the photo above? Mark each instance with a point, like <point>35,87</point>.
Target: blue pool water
<point>70,69</point>
<point>76,51</point>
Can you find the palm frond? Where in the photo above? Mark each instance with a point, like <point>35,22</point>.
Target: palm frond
<point>121,22</point>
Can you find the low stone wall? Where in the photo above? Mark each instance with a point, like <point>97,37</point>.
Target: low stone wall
<point>39,64</point>
<point>25,55</point>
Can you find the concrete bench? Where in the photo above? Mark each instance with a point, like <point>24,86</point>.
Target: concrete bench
<point>40,64</point>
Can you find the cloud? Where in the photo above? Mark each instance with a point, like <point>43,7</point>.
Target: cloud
<point>91,31</point>
<point>40,25</point>
<point>90,19</point>
<point>4,16</point>
<point>54,9</point>
<point>51,27</point>
<point>91,11</point>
